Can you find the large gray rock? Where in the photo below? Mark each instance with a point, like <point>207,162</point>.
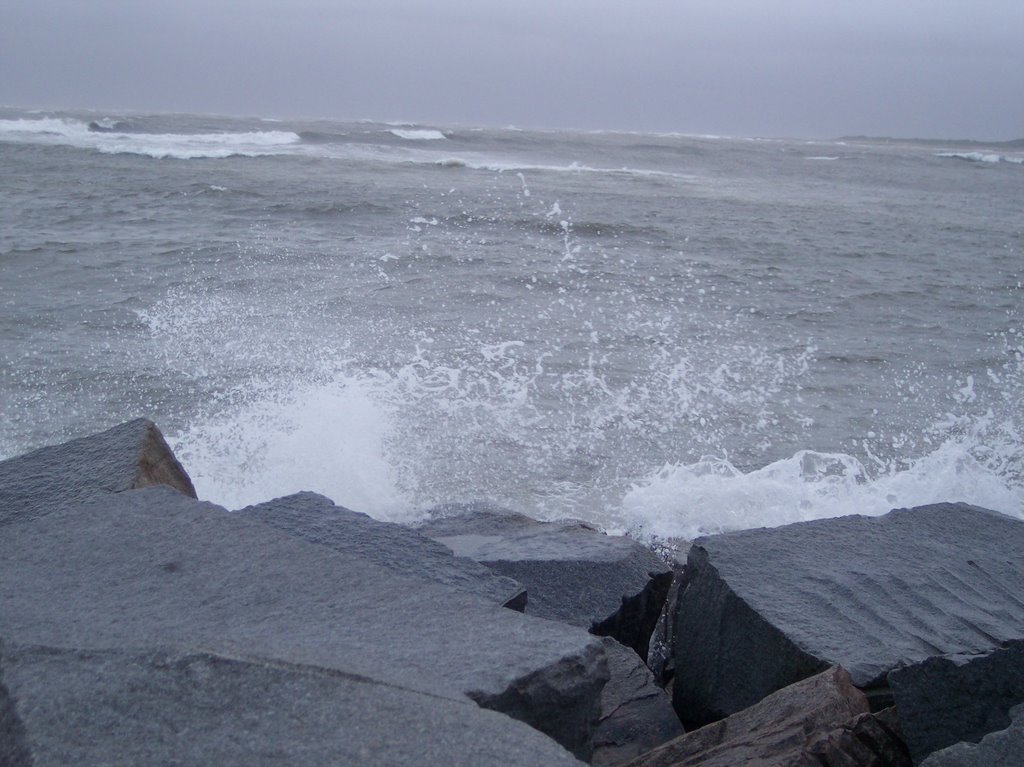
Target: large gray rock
<point>945,700</point>
<point>780,731</point>
<point>396,548</point>
<point>168,706</point>
<point>129,456</point>
<point>152,567</point>
<point>636,714</point>
<point>1002,748</point>
<point>572,572</point>
<point>764,608</point>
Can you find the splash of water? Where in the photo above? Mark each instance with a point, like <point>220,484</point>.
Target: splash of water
<point>389,425</point>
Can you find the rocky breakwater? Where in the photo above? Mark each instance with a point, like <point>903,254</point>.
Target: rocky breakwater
<point>139,625</point>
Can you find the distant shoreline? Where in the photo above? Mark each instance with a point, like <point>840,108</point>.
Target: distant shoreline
<point>1012,144</point>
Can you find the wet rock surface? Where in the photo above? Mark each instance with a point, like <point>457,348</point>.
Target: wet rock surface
<point>764,608</point>
<point>661,646</point>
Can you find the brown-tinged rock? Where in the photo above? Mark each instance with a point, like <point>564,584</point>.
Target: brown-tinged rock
<point>780,731</point>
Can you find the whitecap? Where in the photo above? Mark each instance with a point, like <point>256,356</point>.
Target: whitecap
<point>987,157</point>
<point>451,162</point>
<point>418,134</point>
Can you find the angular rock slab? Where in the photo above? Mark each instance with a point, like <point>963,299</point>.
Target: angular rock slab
<point>944,700</point>
<point>636,714</point>
<point>572,573</point>
<point>168,706</point>
<point>764,608</point>
<point>397,548</point>
<point>778,731</point>
<point>152,567</point>
<point>129,456</point>
<point>1003,748</point>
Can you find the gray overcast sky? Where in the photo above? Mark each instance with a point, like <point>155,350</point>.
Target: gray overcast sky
<point>817,68</point>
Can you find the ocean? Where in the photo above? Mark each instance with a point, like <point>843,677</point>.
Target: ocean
<point>665,335</point>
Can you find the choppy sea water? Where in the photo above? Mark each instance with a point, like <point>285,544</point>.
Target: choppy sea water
<point>661,334</point>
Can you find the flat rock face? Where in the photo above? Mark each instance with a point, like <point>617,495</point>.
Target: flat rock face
<point>399,549</point>
<point>129,456</point>
<point>162,706</point>
<point>780,730</point>
<point>1003,748</point>
<point>764,608</point>
<point>944,700</point>
<point>636,714</point>
<point>572,573</point>
<point>152,567</point>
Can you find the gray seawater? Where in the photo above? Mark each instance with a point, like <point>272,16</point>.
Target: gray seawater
<point>658,333</point>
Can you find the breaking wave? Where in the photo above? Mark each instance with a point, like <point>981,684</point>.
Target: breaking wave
<point>991,158</point>
<point>107,138</point>
<point>504,166</point>
<point>713,496</point>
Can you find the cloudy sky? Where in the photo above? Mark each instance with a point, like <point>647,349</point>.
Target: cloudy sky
<point>815,68</point>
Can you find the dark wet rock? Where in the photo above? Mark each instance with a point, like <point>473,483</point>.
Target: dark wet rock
<point>778,731</point>
<point>868,740</point>
<point>636,714</point>
<point>1002,748</point>
<point>397,548</point>
<point>764,608</point>
<point>169,706</point>
<point>129,456</point>
<point>660,649</point>
<point>945,700</point>
<point>572,573</point>
<point>152,567</point>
